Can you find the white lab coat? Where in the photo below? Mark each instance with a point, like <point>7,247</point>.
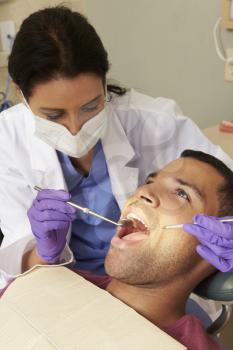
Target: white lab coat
<point>143,135</point>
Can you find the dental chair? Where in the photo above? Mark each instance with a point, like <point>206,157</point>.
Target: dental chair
<point>218,287</point>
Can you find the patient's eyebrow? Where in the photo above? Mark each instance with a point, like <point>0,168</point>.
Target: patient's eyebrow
<point>151,177</point>
<point>193,187</point>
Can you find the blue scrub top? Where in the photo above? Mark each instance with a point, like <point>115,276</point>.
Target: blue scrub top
<point>91,236</point>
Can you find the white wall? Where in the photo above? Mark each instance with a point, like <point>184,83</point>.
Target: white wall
<point>166,48</point>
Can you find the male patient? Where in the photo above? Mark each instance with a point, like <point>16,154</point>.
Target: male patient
<point>154,269</point>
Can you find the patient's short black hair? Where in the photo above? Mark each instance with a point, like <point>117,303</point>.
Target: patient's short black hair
<point>225,192</point>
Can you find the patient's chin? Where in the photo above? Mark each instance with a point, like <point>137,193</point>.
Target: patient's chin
<point>110,264</point>
<point>126,269</point>
<point>113,264</point>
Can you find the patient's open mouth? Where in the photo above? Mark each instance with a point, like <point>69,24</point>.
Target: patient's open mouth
<point>137,231</point>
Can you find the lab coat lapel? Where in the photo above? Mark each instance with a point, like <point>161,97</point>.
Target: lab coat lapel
<point>118,152</point>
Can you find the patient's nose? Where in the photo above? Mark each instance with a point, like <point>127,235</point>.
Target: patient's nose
<point>145,194</point>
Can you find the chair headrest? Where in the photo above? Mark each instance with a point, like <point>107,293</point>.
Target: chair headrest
<point>217,287</point>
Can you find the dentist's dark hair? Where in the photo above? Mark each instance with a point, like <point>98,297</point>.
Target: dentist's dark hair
<point>225,191</point>
<point>56,42</point>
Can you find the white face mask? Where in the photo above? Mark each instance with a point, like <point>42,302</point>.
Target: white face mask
<point>58,137</point>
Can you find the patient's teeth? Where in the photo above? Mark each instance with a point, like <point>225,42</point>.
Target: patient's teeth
<point>134,216</point>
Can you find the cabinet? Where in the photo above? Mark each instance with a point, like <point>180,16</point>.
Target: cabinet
<point>223,139</point>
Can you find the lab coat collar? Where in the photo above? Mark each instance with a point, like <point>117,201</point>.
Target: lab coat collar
<point>43,158</point>
<point>118,153</point>
<point>41,155</point>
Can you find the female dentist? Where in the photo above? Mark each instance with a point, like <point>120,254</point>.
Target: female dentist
<point>95,141</point>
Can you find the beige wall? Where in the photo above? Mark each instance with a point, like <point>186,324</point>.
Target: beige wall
<point>17,10</point>
<point>165,48</point>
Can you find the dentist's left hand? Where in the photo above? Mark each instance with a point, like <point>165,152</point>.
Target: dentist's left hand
<point>50,217</point>
<point>216,241</point>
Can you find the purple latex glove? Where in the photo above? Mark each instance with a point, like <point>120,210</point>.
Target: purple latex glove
<point>50,217</point>
<point>216,240</point>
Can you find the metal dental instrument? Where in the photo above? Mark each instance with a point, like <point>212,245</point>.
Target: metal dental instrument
<point>88,211</point>
<point>181,225</point>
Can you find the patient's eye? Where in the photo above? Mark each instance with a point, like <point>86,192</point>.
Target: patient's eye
<point>149,181</point>
<point>181,193</point>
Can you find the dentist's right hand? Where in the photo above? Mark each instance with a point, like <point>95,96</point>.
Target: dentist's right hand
<point>50,217</point>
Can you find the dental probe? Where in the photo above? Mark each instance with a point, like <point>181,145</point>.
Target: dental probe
<point>88,211</point>
<point>181,225</point>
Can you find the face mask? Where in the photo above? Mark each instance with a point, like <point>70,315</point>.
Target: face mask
<point>58,137</point>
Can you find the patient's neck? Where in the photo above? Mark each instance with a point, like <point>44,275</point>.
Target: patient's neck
<point>163,305</point>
